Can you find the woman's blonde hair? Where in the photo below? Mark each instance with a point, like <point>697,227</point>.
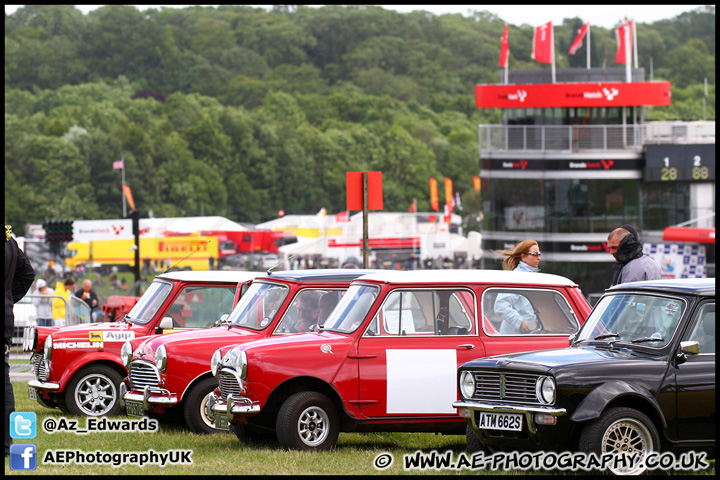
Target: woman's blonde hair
<point>513,256</point>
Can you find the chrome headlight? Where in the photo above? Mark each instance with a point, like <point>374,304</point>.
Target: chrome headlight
<point>237,360</point>
<point>241,364</point>
<point>29,339</point>
<point>161,358</point>
<point>48,347</point>
<point>467,384</point>
<point>215,363</point>
<point>126,354</point>
<point>545,389</point>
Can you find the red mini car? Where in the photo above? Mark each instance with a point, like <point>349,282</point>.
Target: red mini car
<point>172,372</point>
<point>390,333</point>
<point>78,368</point>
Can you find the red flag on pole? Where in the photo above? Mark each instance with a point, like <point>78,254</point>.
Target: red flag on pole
<point>504,48</point>
<point>578,40</point>
<point>624,39</point>
<point>119,164</point>
<point>413,205</point>
<point>128,195</point>
<point>542,43</point>
<point>434,200</point>
<point>449,193</point>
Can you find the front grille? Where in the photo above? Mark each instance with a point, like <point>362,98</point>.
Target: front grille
<point>515,387</point>
<point>143,374</point>
<point>37,363</point>
<point>229,385</point>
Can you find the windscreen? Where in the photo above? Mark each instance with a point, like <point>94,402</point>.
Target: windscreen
<point>148,305</point>
<point>634,318</point>
<point>259,305</point>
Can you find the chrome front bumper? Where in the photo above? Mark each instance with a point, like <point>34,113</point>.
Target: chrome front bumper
<point>156,396</point>
<point>38,385</point>
<point>465,409</point>
<point>241,405</point>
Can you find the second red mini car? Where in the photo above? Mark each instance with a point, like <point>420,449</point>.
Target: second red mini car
<point>386,358</point>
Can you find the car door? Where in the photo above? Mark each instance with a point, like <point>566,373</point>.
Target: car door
<point>695,379</point>
<point>411,350</point>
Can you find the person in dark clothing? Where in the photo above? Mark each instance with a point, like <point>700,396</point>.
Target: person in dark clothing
<point>87,294</point>
<point>19,277</point>
<point>631,264</point>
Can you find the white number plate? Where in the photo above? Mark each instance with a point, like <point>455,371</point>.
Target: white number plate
<point>500,421</point>
<point>32,394</point>
<point>134,408</point>
<point>221,421</point>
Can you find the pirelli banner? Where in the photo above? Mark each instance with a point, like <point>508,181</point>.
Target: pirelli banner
<point>560,95</point>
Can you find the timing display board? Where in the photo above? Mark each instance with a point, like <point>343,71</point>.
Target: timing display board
<point>680,163</point>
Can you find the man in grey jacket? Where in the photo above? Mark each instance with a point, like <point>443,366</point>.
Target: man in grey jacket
<point>631,264</point>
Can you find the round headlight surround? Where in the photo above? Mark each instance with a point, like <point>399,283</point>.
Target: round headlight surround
<point>161,358</point>
<point>241,363</point>
<point>126,354</point>
<point>215,363</point>
<point>467,384</point>
<point>47,350</point>
<point>545,390</point>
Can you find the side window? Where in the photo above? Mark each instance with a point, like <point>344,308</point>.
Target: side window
<point>425,312</point>
<point>527,312</point>
<point>703,330</point>
<point>303,315</point>
<point>201,307</point>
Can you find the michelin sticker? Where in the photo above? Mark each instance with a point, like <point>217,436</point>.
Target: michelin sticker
<point>110,336</point>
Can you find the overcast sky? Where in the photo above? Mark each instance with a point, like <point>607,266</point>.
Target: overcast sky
<point>606,16</point>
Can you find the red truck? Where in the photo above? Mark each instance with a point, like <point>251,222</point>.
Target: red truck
<point>386,358</point>
<point>77,368</point>
<point>172,372</point>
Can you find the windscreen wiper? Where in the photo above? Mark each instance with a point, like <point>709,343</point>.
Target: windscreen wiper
<point>606,335</point>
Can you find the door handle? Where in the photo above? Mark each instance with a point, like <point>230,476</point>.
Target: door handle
<point>469,346</point>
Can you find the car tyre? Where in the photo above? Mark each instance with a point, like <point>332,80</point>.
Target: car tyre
<point>307,421</point>
<point>93,391</point>
<point>195,407</point>
<point>474,444</point>
<point>620,430</point>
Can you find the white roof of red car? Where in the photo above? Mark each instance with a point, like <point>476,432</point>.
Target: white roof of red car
<point>466,277</point>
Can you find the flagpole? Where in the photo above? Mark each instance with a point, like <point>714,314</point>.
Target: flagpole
<point>588,47</point>
<point>552,49</point>
<point>634,37</point>
<point>628,53</point>
<point>122,190</point>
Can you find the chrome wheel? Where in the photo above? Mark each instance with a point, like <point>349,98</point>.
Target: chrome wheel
<point>95,395</point>
<point>313,426</point>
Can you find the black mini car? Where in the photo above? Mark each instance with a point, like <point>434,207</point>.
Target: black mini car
<point>639,377</point>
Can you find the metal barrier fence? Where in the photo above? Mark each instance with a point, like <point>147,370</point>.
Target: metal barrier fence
<point>601,138</point>
<point>25,311</point>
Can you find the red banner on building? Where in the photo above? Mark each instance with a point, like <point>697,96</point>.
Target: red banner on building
<point>559,95</point>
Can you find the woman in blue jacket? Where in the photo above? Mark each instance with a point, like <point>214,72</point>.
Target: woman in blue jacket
<point>515,309</point>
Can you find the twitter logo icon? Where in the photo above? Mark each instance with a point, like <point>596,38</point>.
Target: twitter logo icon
<point>23,425</point>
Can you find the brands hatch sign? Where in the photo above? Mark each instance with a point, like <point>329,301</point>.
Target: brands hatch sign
<point>559,95</point>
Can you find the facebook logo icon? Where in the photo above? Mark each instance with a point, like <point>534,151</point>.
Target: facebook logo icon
<point>23,456</point>
<point>23,425</point>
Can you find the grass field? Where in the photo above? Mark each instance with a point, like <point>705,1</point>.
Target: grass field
<point>355,453</point>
